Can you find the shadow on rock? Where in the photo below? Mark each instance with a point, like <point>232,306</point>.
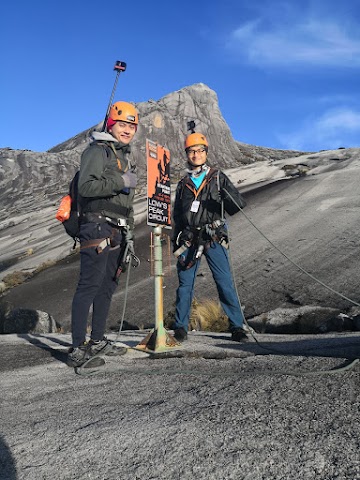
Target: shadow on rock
<point>125,326</point>
<point>7,462</point>
<point>334,347</point>
<point>37,341</point>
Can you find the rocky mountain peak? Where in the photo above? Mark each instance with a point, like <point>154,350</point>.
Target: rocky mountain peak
<point>165,121</point>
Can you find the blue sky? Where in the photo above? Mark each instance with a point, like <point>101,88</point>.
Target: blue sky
<point>286,73</point>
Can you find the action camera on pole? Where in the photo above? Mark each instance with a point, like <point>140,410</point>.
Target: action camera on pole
<point>191,126</point>
<point>119,67</point>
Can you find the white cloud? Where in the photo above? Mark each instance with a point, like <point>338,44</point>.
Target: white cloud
<point>337,99</point>
<point>335,128</point>
<point>313,41</point>
<point>344,119</point>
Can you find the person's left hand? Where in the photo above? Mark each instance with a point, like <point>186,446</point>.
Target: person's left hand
<point>210,230</point>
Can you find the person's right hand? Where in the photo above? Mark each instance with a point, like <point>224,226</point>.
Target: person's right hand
<point>186,237</point>
<point>130,179</point>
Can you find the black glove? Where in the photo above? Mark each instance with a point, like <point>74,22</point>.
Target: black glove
<point>182,242</point>
<point>186,237</point>
<point>217,231</point>
<point>210,230</point>
<point>221,233</point>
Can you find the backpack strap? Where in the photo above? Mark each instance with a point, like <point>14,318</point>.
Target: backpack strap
<point>216,171</point>
<point>109,147</point>
<point>220,196</point>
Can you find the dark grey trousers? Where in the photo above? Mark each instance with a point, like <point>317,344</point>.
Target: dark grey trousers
<point>96,282</point>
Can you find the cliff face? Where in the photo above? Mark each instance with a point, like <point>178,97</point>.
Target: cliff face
<point>32,183</point>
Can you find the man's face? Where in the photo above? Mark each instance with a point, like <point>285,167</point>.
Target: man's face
<point>123,131</point>
<point>197,155</point>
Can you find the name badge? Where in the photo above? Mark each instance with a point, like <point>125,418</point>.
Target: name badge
<point>195,206</point>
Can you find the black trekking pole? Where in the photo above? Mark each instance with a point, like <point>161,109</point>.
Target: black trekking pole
<point>119,67</point>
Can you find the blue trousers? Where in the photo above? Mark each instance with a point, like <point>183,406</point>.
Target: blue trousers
<point>96,282</point>
<point>218,261</point>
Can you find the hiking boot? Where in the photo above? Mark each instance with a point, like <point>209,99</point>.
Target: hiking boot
<point>97,347</point>
<point>180,334</point>
<point>239,335</point>
<point>78,355</point>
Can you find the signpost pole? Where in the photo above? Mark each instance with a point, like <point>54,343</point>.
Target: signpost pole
<point>158,339</point>
<point>158,273</point>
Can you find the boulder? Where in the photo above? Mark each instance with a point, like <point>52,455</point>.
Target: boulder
<point>21,320</point>
<point>302,320</point>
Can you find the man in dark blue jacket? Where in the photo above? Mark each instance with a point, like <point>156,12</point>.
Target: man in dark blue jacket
<point>200,230</point>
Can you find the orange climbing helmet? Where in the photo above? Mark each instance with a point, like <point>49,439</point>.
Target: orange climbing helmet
<point>195,139</point>
<point>125,112</point>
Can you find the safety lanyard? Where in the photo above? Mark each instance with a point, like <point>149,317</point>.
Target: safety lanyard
<point>195,191</point>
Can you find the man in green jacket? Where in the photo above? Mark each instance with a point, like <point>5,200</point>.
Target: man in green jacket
<point>106,192</point>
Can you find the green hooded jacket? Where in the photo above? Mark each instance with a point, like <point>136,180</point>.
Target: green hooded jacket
<point>101,185</point>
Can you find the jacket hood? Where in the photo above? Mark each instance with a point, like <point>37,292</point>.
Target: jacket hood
<point>104,136</point>
<point>107,137</point>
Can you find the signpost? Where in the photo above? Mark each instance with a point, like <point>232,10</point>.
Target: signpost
<point>158,216</point>
<point>158,185</point>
